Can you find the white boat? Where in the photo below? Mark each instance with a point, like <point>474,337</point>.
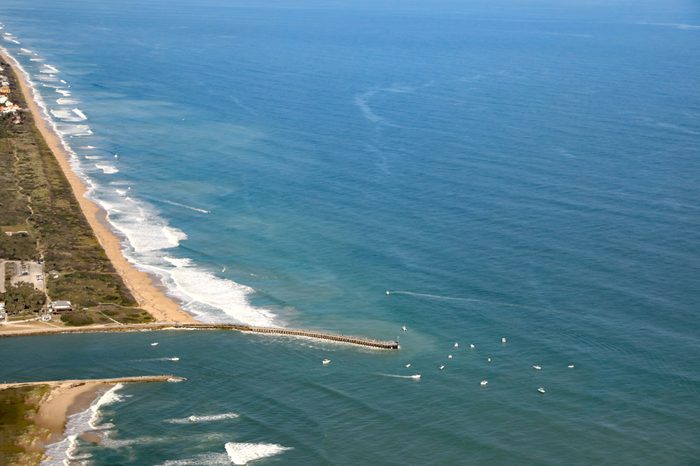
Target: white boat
<point>408,365</point>
<point>484,383</point>
<point>456,345</point>
<point>174,358</point>
<point>442,367</point>
<point>154,343</point>
<point>416,377</point>
<point>503,340</point>
<point>570,366</point>
<point>540,389</point>
<point>403,327</point>
<point>449,356</point>
<point>536,367</point>
<point>488,359</point>
<point>472,346</point>
<point>326,361</point>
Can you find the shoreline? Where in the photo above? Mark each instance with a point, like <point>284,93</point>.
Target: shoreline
<point>68,397</point>
<point>149,295</point>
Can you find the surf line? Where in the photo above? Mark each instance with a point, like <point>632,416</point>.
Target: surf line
<point>455,298</point>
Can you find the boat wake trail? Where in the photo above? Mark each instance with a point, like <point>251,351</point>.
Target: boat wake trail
<point>465,300</point>
<point>177,204</point>
<point>199,419</point>
<point>396,376</point>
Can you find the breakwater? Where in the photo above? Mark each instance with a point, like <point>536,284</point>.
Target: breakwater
<point>313,334</point>
<point>135,379</point>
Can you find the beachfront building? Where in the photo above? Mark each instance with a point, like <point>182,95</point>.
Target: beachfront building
<point>60,306</point>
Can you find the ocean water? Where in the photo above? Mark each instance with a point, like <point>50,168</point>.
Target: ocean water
<point>471,170</point>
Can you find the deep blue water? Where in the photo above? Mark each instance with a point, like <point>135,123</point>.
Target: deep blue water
<point>520,169</point>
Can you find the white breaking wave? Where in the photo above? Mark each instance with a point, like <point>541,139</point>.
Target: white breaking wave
<point>63,452</point>
<point>107,169</point>
<point>199,419</point>
<point>179,262</point>
<point>47,78</point>
<point>194,286</point>
<point>46,68</point>
<point>244,453</point>
<point>64,101</point>
<point>68,115</point>
<point>74,130</point>
<point>205,459</point>
<point>94,157</point>
<point>147,234</point>
<point>79,113</point>
<point>36,59</point>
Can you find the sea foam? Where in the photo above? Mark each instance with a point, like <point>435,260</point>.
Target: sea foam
<point>107,169</point>
<point>147,234</point>
<point>63,452</point>
<point>243,453</point>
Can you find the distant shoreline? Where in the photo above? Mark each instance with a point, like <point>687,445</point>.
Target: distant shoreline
<point>143,287</point>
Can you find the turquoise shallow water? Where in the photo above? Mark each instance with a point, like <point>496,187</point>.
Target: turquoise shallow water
<point>526,170</point>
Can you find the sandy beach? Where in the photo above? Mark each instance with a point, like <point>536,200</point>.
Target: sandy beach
<point>67,397</point>
<point>149,296</point>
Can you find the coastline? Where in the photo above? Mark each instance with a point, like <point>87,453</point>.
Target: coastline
<point>149,295</point>
<point>61,399</point>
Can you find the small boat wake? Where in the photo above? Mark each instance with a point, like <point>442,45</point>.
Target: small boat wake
<point>396,376</point>
<point>200,419</point>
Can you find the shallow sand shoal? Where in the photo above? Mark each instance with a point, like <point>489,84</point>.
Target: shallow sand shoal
<point>149,297</point>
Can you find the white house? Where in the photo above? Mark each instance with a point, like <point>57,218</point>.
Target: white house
<point>58,306</point>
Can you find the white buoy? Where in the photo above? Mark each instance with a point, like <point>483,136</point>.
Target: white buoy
<point>456,345</point>
<point>442,367</point>
<point>449,356</point>
<point>536,367</point>
<point>326,361</point>
<point>503,340</point>
<point>570,366</point>
<point>408,365</point>
<point>472,346</point>
<point>484,383</point>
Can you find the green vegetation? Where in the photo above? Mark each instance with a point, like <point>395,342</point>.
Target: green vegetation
<point>35,196</point>
<point>18,247</point>
<point>22,298</point>
<point>76,318</point>
<point>18,406</point>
